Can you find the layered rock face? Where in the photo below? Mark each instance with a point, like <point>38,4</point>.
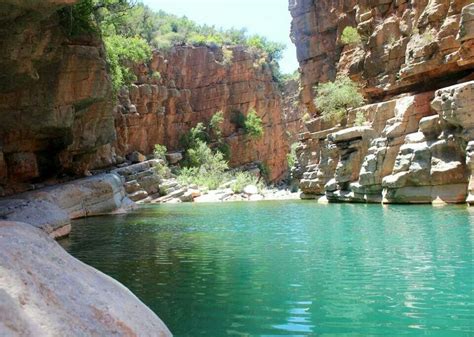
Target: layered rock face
<point>293,110</point>
<point>404,43</point>
<point>194,84</point>
<point>415,66</point>
<point>56,104</point>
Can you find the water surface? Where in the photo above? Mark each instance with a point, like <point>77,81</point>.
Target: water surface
<point>292,268</point>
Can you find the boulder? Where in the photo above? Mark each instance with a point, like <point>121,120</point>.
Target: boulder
<point>46,292</point>
<point>136,157</point>
<point>187,196</point>
<point>251,189</point>
<point>174,157</point>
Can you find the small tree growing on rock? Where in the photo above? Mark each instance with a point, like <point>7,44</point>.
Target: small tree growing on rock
<point>350,36</point>
<point>253,124</point>
<point>333,99</point>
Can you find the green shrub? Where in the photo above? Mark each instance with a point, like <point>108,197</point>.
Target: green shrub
<point>227,56</point>
<point>238,119</point>
<point>202,156</point>
<point>215,124</point>
<point>264,170</point>
<point>350,36</point>
<point>197,134</point>
<point>159,151</point>
<point>206,168</point>
<point>224,148</point>
<point>162,169</point>
<point>78,19</point>
<point>306,117</point>
<point>243,179</point>
<point>121,51</point>
<point>156,76</point>
<point>253,124</point>
<point>333,99</point>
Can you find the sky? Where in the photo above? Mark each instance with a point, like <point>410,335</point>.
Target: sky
<point>269,18</point>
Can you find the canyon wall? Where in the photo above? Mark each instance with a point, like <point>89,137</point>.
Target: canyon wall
<point>193,84</point>
<point>415,65</point>
<point>55,98</point>
<point>59,119</point>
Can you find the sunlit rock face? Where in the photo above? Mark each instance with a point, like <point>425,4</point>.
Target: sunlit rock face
<point>405,44</point>
<point>56,100</point>
<point>415,65</point>
<point>194,84</point>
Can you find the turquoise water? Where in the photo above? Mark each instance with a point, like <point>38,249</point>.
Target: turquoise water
<point>292,268</point>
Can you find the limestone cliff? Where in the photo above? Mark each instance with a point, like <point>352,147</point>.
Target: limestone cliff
<point>415,65</point>
<point>194,84</point>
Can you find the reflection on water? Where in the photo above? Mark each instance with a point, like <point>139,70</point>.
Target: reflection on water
<point>292,268</point>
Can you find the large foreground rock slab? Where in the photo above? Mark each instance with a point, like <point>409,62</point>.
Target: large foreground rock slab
<point>46,292</point>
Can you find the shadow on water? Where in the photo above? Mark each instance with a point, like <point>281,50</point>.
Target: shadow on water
<point>291,268</point>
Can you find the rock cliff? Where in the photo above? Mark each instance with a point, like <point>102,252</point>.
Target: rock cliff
<point>55,97</point>
<point>415,64</point>
<point>194,84</point>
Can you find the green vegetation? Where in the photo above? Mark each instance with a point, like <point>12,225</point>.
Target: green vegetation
<point>427,37</point>
<point>227,56</point>
<point>215,125</point>
<point>131,30</point>
<point>156,76</point>
<point>333,99</point>
<point>161,167</point>
<point>243,179</point>
<point>253,125</point>
<point>360,119</point>
<point>205,167</point>
<point>77,20</point>
<point>159,151</point>
<point>264,170</point>
<point>238,119</point>
<point>306,117</point>
<point>194,136</point>
<point>121,51</point>
<point>350,36</point>
<point>291,157</point>
<point>206,153</point>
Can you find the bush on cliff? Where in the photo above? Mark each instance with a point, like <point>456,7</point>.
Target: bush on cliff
<point>253,125</point>
<point>350,35</point>
<point>191,139</point>
<point>333,99</point>
<point>215,125</point>
<point>121,52</point>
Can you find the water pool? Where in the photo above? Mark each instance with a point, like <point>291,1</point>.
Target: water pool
<point>291,268</point>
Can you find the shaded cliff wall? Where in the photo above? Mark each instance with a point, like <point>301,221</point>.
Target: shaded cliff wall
<point>55,97</point>
<point>196,83</point>
<point>415,65</point>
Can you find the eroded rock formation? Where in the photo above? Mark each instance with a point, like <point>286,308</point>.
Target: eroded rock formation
<point>194,84</point>
<point>415,64</point>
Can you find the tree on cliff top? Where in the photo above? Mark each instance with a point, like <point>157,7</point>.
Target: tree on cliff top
<point>333,99</point>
